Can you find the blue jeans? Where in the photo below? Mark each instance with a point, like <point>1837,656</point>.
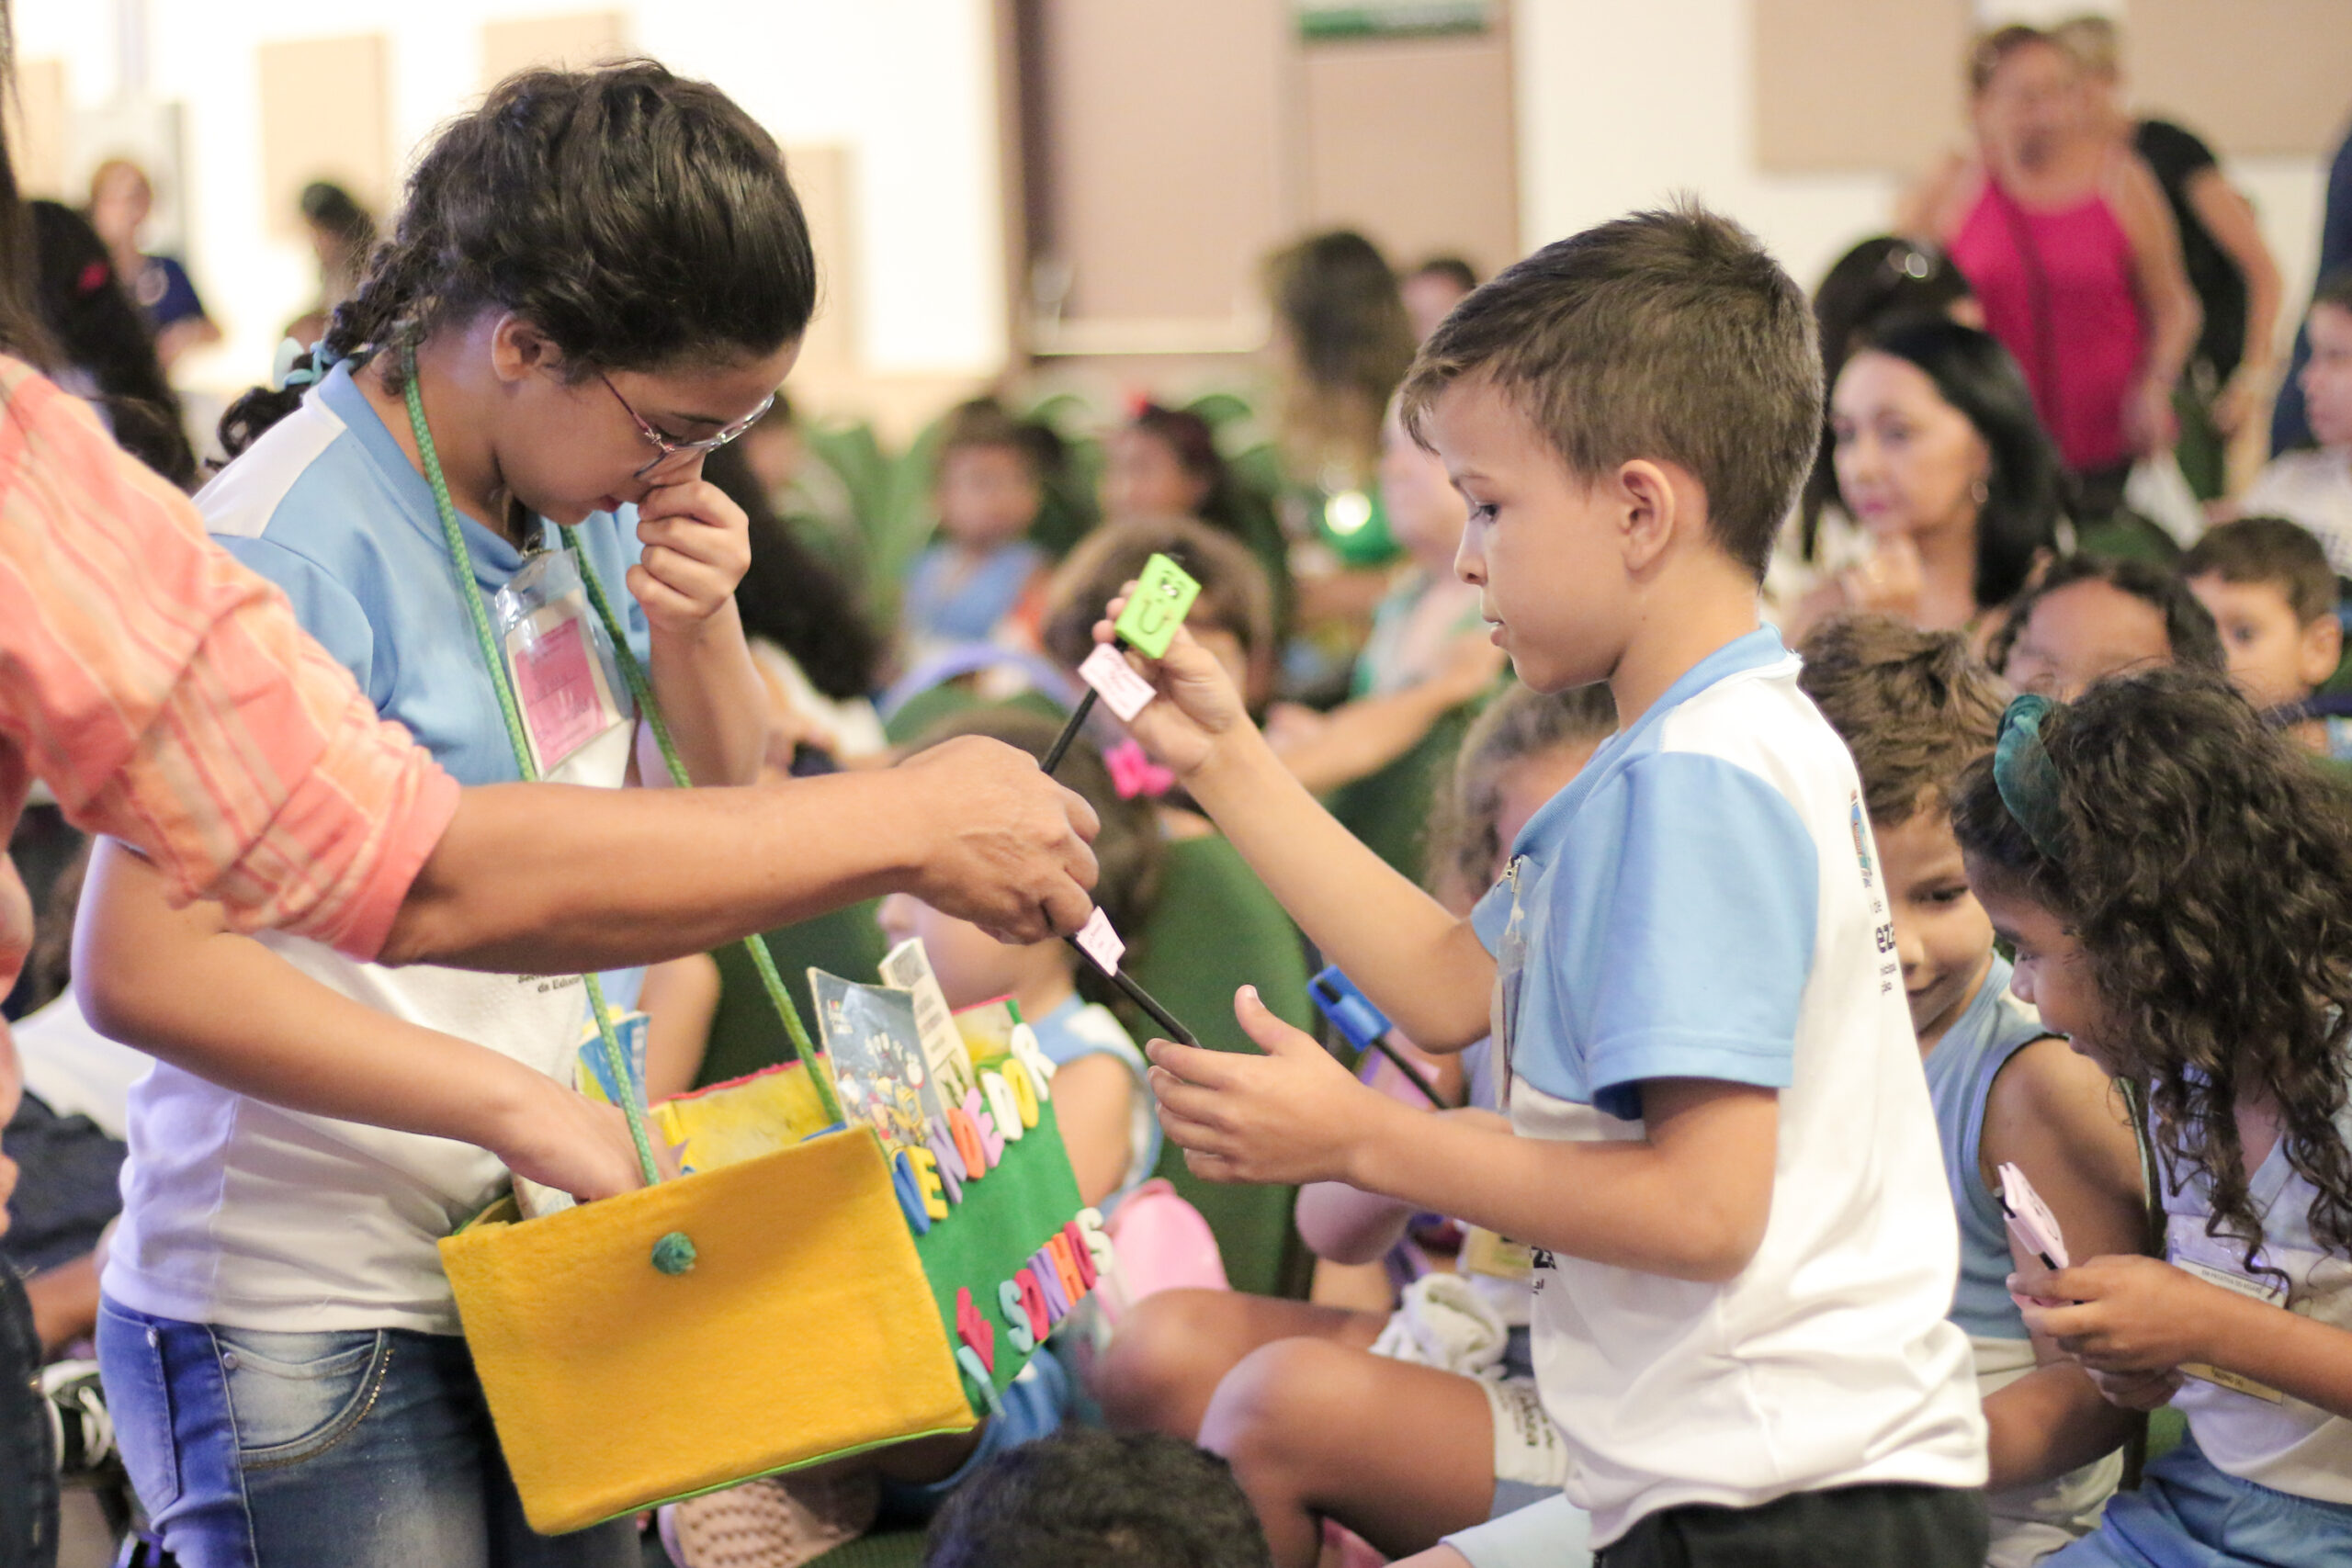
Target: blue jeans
<point>369,1448</point>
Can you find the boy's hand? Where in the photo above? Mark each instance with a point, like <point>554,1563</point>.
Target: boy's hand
<point>2127,1314</point>
<point>1198,705</point>
<point>697,548</point>
<point>1289,1117</point>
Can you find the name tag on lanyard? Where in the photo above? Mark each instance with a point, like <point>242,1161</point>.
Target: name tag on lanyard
<point>566,679</point>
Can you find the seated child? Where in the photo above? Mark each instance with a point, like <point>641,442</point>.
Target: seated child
<point>1427,653</point>
<point>1102,1096</point>
<point>2269,588</point>
<point>2096,616</point>
<point>1234,616</point>
<point>1082,1496</point>
<point>2175,881</point>
<point>1304,1398</point>
<point>1102,1103</point>
<point>1915,708</point>
<point>1164,463</point>
<point>1720,1148</point>
<point>989,488</point>
<point>2315,488</point>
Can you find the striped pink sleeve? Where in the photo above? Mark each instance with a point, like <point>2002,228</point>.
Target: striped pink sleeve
<point>168,697</point>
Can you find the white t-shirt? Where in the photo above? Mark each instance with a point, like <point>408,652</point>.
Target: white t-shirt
<point>2288,1444</point>
<point>1703,901</point>
<point>239,1212</point>
<point>74,1069</point>
<point>2314,489</point>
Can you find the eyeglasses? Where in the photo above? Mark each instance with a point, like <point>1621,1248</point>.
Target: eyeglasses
<point>668,448</point>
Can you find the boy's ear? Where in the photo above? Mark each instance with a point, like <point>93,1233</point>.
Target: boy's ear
<point>1654,508</point>
<point>2323,649</point>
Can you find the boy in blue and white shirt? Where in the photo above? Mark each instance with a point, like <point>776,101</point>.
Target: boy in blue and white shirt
<point>1722,1146</point>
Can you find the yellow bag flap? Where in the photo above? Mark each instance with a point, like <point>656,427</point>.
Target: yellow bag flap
<point>806,1327</point>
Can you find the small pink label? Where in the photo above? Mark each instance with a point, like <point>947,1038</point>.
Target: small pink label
<point>1101,943</point>
<point>1107,670</point>
<point>563,702</point>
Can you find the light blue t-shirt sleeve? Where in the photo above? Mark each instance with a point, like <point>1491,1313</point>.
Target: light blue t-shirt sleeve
<point>1708,932</point>
<point>330,612</point>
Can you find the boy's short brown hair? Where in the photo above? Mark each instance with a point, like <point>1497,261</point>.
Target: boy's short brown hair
<point>1914,707</point>
<point>1668,335</point>
<point>2270,551</point>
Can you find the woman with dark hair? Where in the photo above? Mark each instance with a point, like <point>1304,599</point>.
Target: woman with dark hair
<point>108,355</point>
<point>1939,457</point>
<point>1883,278</point>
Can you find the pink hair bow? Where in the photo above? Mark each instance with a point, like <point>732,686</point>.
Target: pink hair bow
<point>1134,773</point>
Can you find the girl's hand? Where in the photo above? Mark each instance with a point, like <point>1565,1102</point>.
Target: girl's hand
<point>697,548</point>
<point>1199,707</point>
<point>2136,1391</point>
<point>1289,1117</point>
<point>2127,1314</point>
<point>567,1141</point>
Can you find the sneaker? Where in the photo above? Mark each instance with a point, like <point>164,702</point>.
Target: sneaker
<point>772,1523</point>
<point>78,1418</point>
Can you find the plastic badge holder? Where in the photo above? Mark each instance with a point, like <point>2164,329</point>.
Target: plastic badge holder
<point>1163,594</point>
<point>2030,1219</point>
<point>1349,1010</point>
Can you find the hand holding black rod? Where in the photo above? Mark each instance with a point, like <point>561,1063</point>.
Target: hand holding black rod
<point>1119,977</point>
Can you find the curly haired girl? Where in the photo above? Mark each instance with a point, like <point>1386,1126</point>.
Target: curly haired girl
<point>2176,879</point>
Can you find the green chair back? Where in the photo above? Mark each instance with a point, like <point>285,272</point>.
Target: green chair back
<point>1215,929</point>
<point>745,1033</point>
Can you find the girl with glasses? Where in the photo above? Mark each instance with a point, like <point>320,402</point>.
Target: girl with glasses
<point>596,277</point>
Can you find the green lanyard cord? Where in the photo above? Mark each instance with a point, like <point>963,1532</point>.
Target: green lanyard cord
<point>461,562</point>
<point>756,945</point>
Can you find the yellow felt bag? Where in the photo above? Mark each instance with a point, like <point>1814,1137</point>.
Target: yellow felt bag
<point>760,1315</point>
<point>805,1329</point>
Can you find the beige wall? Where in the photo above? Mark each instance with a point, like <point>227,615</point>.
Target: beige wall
<point>1179,145</point>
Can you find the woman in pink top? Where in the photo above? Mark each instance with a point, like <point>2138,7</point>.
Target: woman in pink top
<point>2067,241</point>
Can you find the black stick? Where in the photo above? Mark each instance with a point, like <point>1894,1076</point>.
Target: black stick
<point>1143,999</point>
<point>1054,753</point>
<point>1397,1060</point>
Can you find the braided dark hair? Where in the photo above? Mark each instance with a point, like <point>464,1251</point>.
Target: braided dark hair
<point>636,218</point>
<point>2207,877</point>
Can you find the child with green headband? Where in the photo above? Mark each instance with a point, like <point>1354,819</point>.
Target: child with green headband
<point>2174,878</point>
<point>597,277</point>
<point>1915,708</point>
